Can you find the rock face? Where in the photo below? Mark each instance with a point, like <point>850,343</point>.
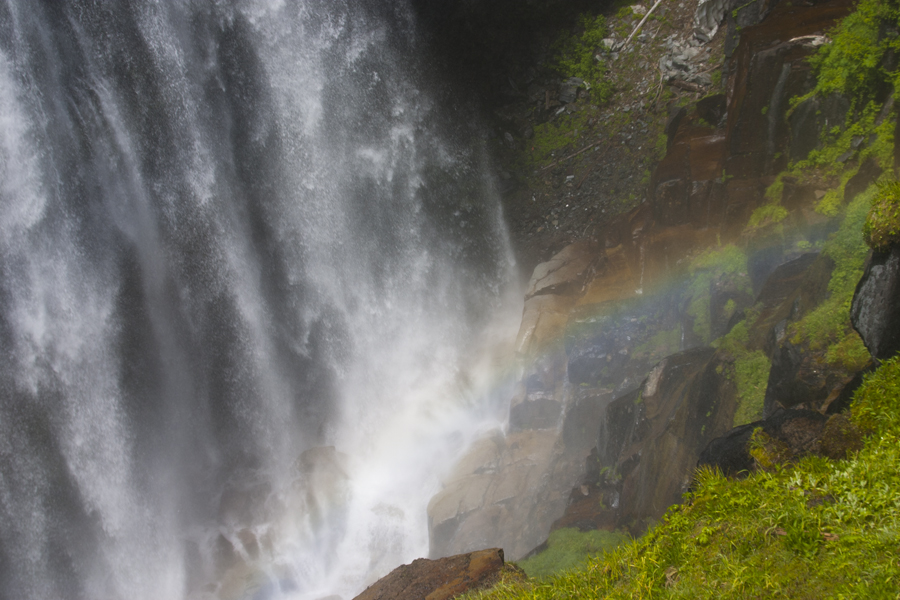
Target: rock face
<point>438,579</point>
<point>620,390</point>
<point>875,313</point>
<point>650,440</point>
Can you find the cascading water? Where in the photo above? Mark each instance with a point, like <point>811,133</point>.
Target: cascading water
<point>246,263</point>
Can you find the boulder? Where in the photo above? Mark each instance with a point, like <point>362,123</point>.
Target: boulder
<point>789,435</point>
<point>875,312</point>
<point>440,579</point>
<point>565,273</point>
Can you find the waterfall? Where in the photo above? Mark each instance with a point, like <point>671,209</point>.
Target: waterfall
<point>249,256</point>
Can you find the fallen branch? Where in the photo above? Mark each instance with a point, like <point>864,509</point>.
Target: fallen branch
<point>551,165</point>
<point>639,25</point>
<point>686,85</point>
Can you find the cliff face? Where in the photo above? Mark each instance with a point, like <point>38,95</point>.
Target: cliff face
<point>678,320</point>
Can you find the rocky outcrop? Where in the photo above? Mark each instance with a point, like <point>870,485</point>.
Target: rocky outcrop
<point>650,440</point>
<point>509,488</point>
<point>788,435</point>
<point>875,313</point>
<point>442,579</point>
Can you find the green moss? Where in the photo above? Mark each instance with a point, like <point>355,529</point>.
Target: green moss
<point>555,138</point>
<point>751,376</point>
<point>574,55</point>
<point>828,322</point>
<point>768,214</point>
<point>830,204</point>
<point>882,227</point>
<point>660,345</point>
<point>710,265</point>
<point>850,353</point>
<point>853,64</point>
<point>661,146</point>
<point>568,548</point>
<point>751,373</point>
<point>876,404</point>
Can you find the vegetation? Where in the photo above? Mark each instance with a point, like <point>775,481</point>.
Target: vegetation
<point>854,63</point>
<point>574,55</point>
<point>568,548</point>
<point>750,372</point>
<point>712,265</point>
<point>555,138</point>
<point>882,227</point>
<point>828,324</point>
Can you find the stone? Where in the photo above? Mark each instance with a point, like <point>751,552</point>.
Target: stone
<point>564,273</point>
<point>649,441</point>
<point>868,172</point>
<point>440,579</point>
<point>875,312</point>
<point>792,434</point>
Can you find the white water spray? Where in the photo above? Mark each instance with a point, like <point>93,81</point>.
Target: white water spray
<point>249,270</point>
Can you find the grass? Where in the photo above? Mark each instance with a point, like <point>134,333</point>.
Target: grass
<point>568,548</point>
<point>816,529</point>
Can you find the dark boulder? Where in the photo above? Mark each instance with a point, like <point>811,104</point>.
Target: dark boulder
<point>440,579</point>
<point>793,432</point>
<point>875,312</point>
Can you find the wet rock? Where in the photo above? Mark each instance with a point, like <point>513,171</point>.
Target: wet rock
<point>615,347</point>
<point>810,118</point>
<point>565,273</point>
<point>789,435</point>
<point>789,291</point>
<point>868,172</point>
<point>507,490</point>
<point>649,442</point>
<point>771,67</point>
<point>568,91</point>
<point>875,312</point>
<point>712,109</point>
<point>440,579</point>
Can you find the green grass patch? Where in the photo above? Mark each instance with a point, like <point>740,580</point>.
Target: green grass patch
<point>751,372</point>
<point>569,548</point>
<point>853,64</point>
<point>751,375</point>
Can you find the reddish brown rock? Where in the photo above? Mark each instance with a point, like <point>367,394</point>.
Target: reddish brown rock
<point>440,579</point>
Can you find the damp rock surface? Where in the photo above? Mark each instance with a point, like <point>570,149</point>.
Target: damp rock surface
<point>440,579</point>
